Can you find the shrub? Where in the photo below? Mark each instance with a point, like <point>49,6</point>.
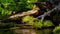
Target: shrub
<point>9,6</point>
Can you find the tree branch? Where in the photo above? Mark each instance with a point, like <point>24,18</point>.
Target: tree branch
<point>16,16</point>
<point>48,12</point>
<point>35,10</point>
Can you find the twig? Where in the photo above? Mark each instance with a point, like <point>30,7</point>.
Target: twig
<point>48,12</point>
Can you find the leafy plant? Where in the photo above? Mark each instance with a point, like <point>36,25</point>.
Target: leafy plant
<point>48,23</point>
<point>57,30</point>
<point>9,6</point>
<point>27,18</point>
<point>36,22</point>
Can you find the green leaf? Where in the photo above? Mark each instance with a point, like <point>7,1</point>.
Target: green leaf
<point>48,23</point>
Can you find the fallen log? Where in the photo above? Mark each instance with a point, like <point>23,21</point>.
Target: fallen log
<point>25,13</point>
<point>33,11</point>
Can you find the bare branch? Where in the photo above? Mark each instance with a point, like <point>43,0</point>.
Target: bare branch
<point>48,12</point>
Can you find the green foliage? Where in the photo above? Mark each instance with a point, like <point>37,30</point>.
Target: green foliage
<point>16,4</point>
<point>4,13</point>
<point>57,30</point>
<point>9,6</point>
<point>27,19</point>
<point>48,23</point>
<point>36,22</point>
